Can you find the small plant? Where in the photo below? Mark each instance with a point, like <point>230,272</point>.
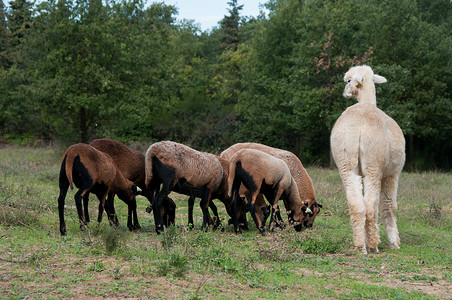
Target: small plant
<point>16,215</point>
<point>113,238</point>
<point>97,266</point>
<point>170,237</point>
<point>321,244</point>
<point>177,264</point>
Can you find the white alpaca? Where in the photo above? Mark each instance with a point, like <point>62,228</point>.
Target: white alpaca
<point>369,150</point>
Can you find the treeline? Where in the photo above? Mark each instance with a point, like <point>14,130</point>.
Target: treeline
<point>72,71</point>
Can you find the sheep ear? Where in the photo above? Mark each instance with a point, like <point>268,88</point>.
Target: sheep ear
<point>379,79</point>
<point>319,204</point>
<point>136,189</point>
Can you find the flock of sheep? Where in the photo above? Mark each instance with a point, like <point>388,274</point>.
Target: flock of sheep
<point>367,145</point>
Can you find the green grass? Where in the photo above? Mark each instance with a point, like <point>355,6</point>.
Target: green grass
<point>36,262</point>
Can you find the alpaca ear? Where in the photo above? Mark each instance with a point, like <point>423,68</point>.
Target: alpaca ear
<point>379,79</point>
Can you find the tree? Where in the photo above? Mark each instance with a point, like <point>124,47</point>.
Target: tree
<point>3,36</point>
<point>230,26</point>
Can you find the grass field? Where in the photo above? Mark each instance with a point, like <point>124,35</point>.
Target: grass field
<point>103,262</point>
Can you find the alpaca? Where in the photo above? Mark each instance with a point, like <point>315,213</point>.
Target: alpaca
<point>369,150</point>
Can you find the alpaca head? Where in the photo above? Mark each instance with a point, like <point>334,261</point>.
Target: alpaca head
<point>360,80</point>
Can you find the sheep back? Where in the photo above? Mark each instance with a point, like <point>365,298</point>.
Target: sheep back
<point>298,172</point>
<point>197,168</point>
<point>131,162</point>
<point>100,166</point>
<point>262,167</point>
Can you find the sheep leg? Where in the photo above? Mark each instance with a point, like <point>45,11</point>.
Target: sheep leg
<point>235,196</point>
<point>191,204</point>
<point>110,210</point>
<point>157,207</point>
<point>354,192</point>
<point>85,206</point>
<point>168,183</point>
<point>216,221</point>
<point>206,220</point>
<point>132,213</point>
<point>64,186</point>
<point>371,199</point>
<point>388,209</point>
<point>275,209</point>
<point>78,203</point>
<point>252,208</point>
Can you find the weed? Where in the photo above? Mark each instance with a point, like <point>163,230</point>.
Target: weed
<point>96,266</point>
<point>17,215</point>
<point>113,238</point>
<point>321,244</point>
<point>170,237</point>
<point>177,264</point>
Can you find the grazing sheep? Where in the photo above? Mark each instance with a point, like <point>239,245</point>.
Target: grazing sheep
<point>131,163</point>
<point>92,171</point>
<point>298,172</point>
<point>221,193</point>
<point>369,150</point>
<point>262,173</point>
<point>170,164</point>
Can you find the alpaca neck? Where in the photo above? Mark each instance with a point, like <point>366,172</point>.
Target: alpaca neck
<point>367,95</point>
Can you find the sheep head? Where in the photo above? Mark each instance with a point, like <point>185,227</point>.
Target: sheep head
<point>361,83</point>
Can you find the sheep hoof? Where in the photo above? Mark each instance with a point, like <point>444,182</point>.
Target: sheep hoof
<point>190,226</point>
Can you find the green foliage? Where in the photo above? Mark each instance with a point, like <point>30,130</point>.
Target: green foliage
<point>176,264</point>
<point>73,71</point>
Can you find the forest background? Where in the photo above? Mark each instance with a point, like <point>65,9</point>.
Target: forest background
<point>72,71</point>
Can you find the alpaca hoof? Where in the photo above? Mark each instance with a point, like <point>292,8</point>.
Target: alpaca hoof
<point>362,250</point>
<point>374,250</point>
<point>394,246</point>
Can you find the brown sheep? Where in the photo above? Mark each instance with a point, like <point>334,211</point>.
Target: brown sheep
<point>298,172</point>
<point>131,163</point>
<point>92,171</point>
<point>174,165</point>
<point>262,173</point>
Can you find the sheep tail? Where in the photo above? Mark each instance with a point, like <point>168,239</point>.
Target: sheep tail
<point>148,168</point>
<point>231,178</point>
<point>70,158</point>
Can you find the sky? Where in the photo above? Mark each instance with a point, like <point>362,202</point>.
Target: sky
<point>207,13</point>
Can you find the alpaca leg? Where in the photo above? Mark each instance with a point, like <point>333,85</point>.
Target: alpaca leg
<point>371,199</point>
<point>388,209</point>
<point>355,198</point>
